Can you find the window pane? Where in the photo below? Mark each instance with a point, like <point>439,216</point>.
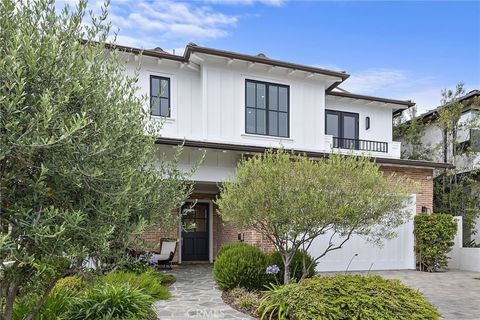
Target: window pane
<point>273,97</point>
<point>164,89</point>
<point>260,96</point>
<point>349,127</point>
<point>261,122</point>
<point>251,94</point>
<point>332,125</point>
<point>283,124</point>
<point>283,98</point>
<point>155,106</point>
<point>273,123</point>
<point>155,86</point>
<point>164,108</point>
<point>250,120</point>
<point>201,225</point>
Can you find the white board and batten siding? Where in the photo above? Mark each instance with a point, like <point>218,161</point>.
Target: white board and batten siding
<point>396,254</point>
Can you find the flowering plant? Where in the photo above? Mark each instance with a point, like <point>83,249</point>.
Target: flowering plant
<point>273,269</point>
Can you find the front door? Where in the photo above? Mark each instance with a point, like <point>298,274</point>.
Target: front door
<point>195,232</point>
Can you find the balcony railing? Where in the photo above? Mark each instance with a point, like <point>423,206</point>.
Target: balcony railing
<point>357,144</point>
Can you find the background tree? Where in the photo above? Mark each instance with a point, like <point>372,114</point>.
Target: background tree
<point>77,154</point>
<point>456,190</point>
<point>411,132</point>
<point>293,200</point>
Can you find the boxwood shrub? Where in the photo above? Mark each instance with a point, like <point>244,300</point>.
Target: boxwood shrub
<point>434,239</point>
<point>350,297</point>
<point>241,266</point>
<point>296,265</point>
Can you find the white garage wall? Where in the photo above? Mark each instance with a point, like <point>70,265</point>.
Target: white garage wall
<point>397,253</point>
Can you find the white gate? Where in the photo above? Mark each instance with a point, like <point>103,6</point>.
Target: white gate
<point>397,253</point>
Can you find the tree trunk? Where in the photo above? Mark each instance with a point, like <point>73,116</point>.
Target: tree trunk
<point>286,273</point>
<point>42,300</point>
<point>9,300</point>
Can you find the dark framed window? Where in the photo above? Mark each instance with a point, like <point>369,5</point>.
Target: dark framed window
<point>343,126</point>
<point>267,108</point>
<point>159,96</point>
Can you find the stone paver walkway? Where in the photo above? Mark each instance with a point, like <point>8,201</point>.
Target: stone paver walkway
<point>456,294</point>
<point>195,296</point>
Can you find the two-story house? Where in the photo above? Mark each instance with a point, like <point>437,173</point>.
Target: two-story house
<point>228,105</point>
<point>466,155</point>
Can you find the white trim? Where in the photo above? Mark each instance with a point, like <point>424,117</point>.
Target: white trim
<point>210,231</point>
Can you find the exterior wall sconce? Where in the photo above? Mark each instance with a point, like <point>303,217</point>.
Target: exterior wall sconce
<point>426,210</point>
<point>241,237</point>
<point>367,123</point>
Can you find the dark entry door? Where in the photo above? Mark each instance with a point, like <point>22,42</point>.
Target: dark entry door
<point>195,232</point>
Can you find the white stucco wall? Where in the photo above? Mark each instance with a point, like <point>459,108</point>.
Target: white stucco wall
<point>208,104</point>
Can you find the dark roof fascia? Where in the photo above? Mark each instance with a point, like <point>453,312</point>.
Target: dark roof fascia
<point>150,53</point>
<point>432,114</point>
<point>257,149</point>
<point>256,59</point>
<point>405,103</point>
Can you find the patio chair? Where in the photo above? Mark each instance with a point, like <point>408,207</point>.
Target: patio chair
<point>168,247</point>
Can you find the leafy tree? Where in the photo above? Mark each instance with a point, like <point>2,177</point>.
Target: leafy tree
<point>79,172</point>
<point>456,190</point>
<point>292,200</point>
<point>411,133</point>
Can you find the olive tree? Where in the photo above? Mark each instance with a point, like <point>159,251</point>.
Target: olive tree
<point>292,200</point>
<point>80,177</point>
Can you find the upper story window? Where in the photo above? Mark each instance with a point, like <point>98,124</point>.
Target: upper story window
<point>267,108</point>
<point>159,96</point>
<point>343,126</point>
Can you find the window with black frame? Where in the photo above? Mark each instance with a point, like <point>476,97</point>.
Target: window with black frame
<point>160,96</point>
<point>343,126</point>
<point>267,108</point>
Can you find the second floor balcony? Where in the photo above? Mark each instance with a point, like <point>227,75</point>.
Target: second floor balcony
<point>382,149</point>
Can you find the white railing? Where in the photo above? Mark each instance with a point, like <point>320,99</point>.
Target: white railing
<point>379,149</point>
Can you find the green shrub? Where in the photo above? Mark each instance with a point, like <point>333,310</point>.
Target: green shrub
<point>56,305</point>
<point>71,284</point>
<point>241,266</point>
<point>273,304</point>
<point>134,264</point>
<point>109,301</point>
<point>355,297</point>
<point>296,265</point>
<point>243,299</point>
<point>229,246</point>
<point>434,239</point>
<point>148,282</point>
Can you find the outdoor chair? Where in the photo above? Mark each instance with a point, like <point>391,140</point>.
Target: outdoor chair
<point>168,247</point>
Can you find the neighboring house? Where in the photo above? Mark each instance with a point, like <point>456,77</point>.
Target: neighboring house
<point>229,105</point>
<point>468,136</point>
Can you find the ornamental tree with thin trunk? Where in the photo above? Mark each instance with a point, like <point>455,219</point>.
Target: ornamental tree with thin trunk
<point>292,200</point>
<point>80,177</point>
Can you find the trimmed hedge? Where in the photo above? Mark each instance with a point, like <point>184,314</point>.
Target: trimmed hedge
<point>434,239</point>
<point>241,265</point>
<point>296,265</point>
<point>352,297</point>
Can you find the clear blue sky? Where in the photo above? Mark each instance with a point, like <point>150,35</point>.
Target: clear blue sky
<point>407,50</point>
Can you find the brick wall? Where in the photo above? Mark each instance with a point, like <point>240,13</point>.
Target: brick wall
<point>224,232</point>
<point>424,178</point>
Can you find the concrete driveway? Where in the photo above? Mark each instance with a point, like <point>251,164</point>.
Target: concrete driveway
<point>455,293</point>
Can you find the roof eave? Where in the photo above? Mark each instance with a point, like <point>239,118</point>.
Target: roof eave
<point>258,149</point>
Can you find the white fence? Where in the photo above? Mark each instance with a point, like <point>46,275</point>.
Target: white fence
<point>397,253</point>
<point>461,258</point>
